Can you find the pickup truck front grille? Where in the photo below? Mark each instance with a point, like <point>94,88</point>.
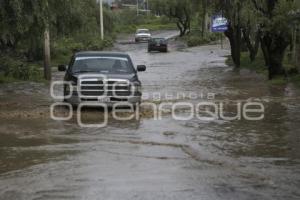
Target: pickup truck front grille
<point>91,88</point>
<point>93,82</point>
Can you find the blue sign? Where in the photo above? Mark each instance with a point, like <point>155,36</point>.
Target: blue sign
<point>219,24</point>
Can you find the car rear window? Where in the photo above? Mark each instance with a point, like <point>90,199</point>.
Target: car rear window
<point>158,40</point>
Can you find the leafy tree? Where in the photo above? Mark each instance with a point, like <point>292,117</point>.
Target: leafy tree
<point>179,10</point>
<point>204,10</point>
<point>251,31</point>
<point>276,30</point>
<point>22,23</point>
<point>265,23</point>
<point>232,10</point>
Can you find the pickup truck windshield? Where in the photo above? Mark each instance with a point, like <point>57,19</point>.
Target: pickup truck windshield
<point>108,65</point>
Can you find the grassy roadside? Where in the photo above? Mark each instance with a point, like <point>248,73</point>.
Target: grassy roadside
<point>150,26</point>
<point>129,22</point>
<point>194,38</point>
<point>15,67</point>
<point>64,48</point>
<point>259,66</point>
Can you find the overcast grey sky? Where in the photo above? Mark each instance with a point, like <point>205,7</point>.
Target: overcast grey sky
<point>107,1</point>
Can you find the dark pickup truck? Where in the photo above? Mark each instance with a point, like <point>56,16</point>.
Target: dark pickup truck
<point>103,77</point>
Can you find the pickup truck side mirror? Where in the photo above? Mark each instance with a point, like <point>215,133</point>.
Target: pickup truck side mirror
<point>62,68</point>
<point>141,68</point>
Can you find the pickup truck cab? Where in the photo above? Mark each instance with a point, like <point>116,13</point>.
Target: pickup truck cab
<point>103,77</point>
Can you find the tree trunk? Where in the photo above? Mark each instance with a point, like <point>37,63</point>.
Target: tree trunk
<point>265,51</point>
<point>234,36</point>
<point>183,26</point>
<point>187,22</point>
<point>204,5</point>
<point>253,48</point>
<point>180,29</point>
<point>234,33</point>
<point>238,38</point>
<point>47,67</point>
<point>188,26</point>
<point>275,63</point>
<point>275,46</point>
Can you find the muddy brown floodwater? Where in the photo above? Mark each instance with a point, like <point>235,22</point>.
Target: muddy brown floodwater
<point>156,159</point>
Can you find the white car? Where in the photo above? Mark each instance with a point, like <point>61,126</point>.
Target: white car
<point>142,35</point>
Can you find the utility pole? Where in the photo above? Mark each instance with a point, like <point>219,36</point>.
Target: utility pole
<point>295,44</point>
<point>148,12</point>
<point>47,57</point>
<point>101,19</point>
<point>297,48</point>
<point>137,7</point>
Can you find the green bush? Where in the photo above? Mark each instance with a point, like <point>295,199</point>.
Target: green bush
<point>63,49</point>
<point>98,45</point>
<point>15,68</point>
<point>296,80</point>
<point>195,39</point>
<point>65,46</point>
<point>214,36</point>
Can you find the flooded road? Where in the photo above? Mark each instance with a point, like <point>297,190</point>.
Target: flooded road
<point>156,159</point>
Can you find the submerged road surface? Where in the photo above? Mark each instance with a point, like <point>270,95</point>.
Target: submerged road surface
<point>156,159</point>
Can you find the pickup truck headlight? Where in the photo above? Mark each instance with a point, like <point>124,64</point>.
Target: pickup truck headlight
<point>136,87</point>
<point>74,87</point>
<point>72,84</point>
